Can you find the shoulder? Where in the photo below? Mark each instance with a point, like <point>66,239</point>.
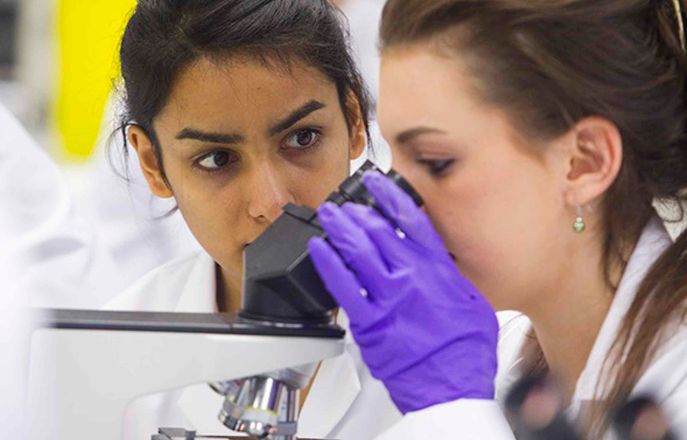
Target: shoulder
<point>161,288</point>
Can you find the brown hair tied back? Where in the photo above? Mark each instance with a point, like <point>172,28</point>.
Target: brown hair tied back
<point>680,22</point>
<point>551,63</point>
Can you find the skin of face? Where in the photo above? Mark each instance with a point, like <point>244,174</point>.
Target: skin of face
<point>503,203</point>
<point>239,140</point>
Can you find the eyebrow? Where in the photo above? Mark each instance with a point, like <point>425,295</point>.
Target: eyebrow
<point>215,138</point>
<point>233,138</point>
<point>296,116</point>
<point>408,135</point>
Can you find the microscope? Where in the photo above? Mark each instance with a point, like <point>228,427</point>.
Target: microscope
<point>86,367</point>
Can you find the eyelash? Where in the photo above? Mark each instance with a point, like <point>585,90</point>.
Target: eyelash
<point>437,168</point>
<point>198,161</point>
<point>315,131</point>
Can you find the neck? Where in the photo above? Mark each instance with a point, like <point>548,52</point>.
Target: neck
<point>229,288</point>
<point>567,317</point>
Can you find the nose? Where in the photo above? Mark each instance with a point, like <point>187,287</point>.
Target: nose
<point>268,193</point>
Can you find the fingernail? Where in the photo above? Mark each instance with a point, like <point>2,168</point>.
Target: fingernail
<point>313,242</point>
<point>351,207</point>
<point>314,245</point>
<point>371,176</point>
<point>327,210</point>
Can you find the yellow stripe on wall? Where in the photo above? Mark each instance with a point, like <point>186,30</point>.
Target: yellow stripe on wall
<point>88,35</point>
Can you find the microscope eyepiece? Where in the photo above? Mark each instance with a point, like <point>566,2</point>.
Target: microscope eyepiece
<point>281,285</point>
<point>353,189</point>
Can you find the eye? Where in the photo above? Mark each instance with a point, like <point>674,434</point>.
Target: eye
<point>302,139</point>
<point>437,167</point>
<point>216,160</point>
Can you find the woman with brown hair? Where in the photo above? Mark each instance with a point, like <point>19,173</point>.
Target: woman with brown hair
<point>541,134</point>
<point>235,108</point>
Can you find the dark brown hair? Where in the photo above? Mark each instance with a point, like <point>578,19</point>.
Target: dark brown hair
<point>550,63</point>
<point>163,37</point>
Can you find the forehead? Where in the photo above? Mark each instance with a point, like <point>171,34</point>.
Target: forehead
<point>243,89</point>
<point>422,86</point>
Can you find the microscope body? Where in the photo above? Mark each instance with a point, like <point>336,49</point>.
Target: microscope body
<point>88,366</point>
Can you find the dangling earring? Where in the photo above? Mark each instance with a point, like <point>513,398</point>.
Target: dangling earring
<point>579,225</point>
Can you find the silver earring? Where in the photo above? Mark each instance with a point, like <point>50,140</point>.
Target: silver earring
<point>579,225</point>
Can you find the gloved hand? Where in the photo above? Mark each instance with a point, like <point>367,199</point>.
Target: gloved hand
<point>423,329</point>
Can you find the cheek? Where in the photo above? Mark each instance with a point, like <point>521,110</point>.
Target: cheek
<point>492,220</point>
<point>311,186</point>
<point>216,209</point>
<point>213,214</point>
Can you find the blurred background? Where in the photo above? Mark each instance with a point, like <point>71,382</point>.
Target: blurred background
<point>58,62</point>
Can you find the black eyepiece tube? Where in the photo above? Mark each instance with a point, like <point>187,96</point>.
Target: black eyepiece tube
<point>280,282</point>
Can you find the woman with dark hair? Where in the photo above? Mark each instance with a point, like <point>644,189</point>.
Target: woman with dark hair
<point>235,108</point>
<point>541,134</point>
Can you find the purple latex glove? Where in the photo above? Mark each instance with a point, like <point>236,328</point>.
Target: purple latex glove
<point>423,329</point>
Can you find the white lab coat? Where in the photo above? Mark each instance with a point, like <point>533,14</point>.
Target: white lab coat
<point>49,257</point>
<point>134,225</point>
<point>665,379</point>
<point>14,345</point>
<point>57,257</point>
<point>344,403</point>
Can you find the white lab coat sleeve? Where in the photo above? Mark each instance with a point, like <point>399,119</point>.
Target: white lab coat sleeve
<point>14,355</point>
<point>464,419</point>
<point>58,256</point>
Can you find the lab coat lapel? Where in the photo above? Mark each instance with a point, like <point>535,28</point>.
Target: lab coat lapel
<point>199,403</point>
<point>198,294</point>
<point>514,330</point>
<point>333,392</point>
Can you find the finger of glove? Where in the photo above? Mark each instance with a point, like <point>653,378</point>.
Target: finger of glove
<point>338,279</point>
<point>354,246</point>
<point>396,251</point>
<point>398,206</point>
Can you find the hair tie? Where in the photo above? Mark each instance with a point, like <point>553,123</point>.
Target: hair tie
<point>680,23</point>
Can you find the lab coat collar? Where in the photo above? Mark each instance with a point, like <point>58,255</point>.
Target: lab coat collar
<point>334,389</point>
<point>198,295</point>
<point>199,403</point>
<point>653,241</point>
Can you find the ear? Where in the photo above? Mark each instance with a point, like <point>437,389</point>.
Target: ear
<point>595,157</point>
<point>358,134</point>
<point>147,159</point>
